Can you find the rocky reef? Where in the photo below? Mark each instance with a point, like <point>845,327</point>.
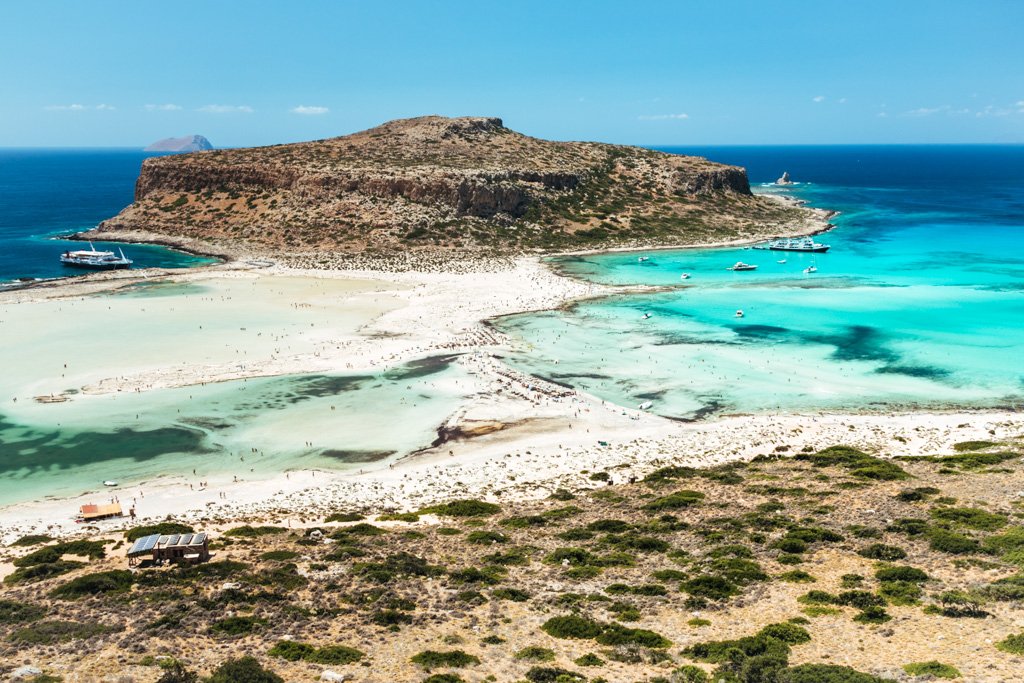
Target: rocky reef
<point>444,183</point>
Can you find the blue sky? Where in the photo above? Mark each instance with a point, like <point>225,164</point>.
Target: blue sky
<point>104,73</point>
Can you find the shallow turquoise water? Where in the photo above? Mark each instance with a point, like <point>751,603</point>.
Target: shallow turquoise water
<point>919,303</point>
<point>292,422</point>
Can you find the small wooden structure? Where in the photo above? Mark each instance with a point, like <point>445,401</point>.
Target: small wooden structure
<point>170,549</point>
<point>93,513</point>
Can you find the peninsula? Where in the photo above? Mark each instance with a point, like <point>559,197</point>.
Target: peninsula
<point>436,183</point>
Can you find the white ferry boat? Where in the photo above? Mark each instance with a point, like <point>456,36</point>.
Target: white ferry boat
<point>795,244</point>
<point>740,265</point>
<point>95,260</point>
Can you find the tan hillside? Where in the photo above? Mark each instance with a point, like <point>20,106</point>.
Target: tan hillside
<point>450,183</point>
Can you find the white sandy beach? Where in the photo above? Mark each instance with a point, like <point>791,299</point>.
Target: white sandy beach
<point>235,321</point>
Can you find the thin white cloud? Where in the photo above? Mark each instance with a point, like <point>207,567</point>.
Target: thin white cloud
<point>663,117</point>
<point>883,114</point>
<point>944,109</point>
<point>842,100</point>
<point>818,98</point>
<point>308,110</point>
<point>226,109</point>
<point>79,107</point>
<point>162,107</point>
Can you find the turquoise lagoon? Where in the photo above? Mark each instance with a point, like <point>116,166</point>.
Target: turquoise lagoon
<point>250,428</point>
<point>919,303</point>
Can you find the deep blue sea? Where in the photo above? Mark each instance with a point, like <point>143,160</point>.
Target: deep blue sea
<point>919,303</point>
<point>45,193</point>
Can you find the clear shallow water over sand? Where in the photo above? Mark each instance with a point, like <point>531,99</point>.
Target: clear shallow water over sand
<point>920,301</point>
<point>70,448</point>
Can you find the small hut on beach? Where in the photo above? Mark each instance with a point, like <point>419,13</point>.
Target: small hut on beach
<point>92,513</point>
<point>170,549</point>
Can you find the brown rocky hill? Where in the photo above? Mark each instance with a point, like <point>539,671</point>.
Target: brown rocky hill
<point>436,182</point>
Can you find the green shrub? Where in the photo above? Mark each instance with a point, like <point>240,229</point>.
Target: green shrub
<point>909,526</point>
<point>791,545</point>
<point>825,673</point>
<point>52,554</point>
<point>974,461</point>
<point>1010,540</point>
<point>486,537</point>
<point>244,670</point>
<point>571,626</point>
<point>398,517</point>
<point>464,508</point>
<point>454,659</point>
<point>675,501</point>
<point>881,551</point>
<point>444,678</point>
<point>487,576</point>
<point>291,650</point>
<point>945,541</point>
<point>513,594</point>
<point>279,555</point>
<point>690,674</point>
<point>535,653</point>
<point>525,522</point>
<point>788,633</point>
<point>236,626</point>
<point>1014,644</point>
<point>550,674</point>
<point>162,528</point>
<point>797,576</point>
<point>668,575</point>
<point>872,615</point>
<point>393,566</point>
<point>113,581</point>
<point>617,634</point>
<point>609,526</point>
<point>900,592</point>
<point>972,518</point>
<point>30,540</point>
<point>19,612</point>
<point>345,517</point>
<point>933,668</point>
<point>902,573</point>
<point>859,599</point>
<point>710,587</point>
<point>49,632</point>
<point>570,556</point>
<point>589,659</point>
<point>856,462</point>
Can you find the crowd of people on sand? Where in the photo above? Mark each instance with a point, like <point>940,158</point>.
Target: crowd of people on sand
<point>424,261</point>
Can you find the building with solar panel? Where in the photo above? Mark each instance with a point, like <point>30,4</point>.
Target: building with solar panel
<point>170,549</point>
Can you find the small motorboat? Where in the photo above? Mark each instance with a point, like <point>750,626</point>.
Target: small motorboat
<point>739,313</point>
<point>110,482</point>
<point>645,405</point>
<point>810,269</point>
<point>642,259</point>
<point>684,276</point>
<point>740,265</point>
<point>646,316</point>
<point>781,261</point>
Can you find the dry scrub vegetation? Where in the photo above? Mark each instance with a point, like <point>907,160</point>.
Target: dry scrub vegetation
<point>835,566</point>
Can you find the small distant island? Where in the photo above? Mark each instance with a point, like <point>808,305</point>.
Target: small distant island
<point>186,143</point>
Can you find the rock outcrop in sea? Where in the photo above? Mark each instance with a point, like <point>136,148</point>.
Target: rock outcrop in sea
<point>188,143</point>
<point>784,180</point>
<point>444,183</point>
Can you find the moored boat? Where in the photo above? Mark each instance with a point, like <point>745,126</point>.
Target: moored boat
<point>806,244</point>
<point>95,260</point>
<point>740,265</point>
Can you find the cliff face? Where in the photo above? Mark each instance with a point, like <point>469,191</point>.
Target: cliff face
<point>442,183</point>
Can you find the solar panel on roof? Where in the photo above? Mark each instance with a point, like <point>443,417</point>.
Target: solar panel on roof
<point>185,539</point>
<point>198,539</point>
<point>144,544</point>
<point>172,540</point>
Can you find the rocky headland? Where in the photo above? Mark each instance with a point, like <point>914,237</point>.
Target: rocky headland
<point>450,184</point>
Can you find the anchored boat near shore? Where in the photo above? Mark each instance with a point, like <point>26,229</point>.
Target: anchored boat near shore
<point>795,244</point>
<point>95,260</point>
